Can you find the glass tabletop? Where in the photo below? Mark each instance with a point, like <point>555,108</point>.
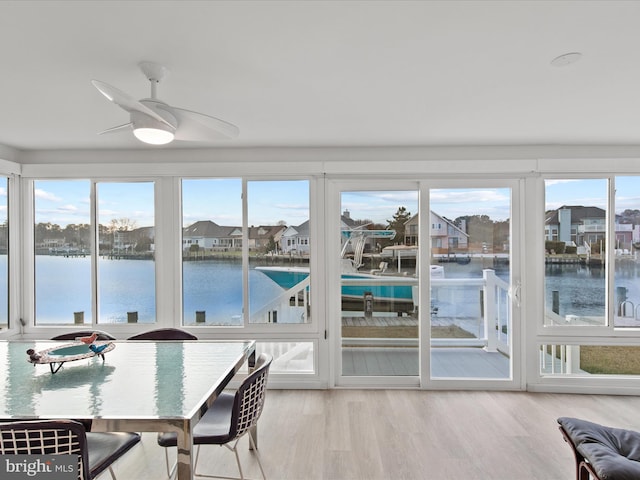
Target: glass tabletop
<point>135,380</point>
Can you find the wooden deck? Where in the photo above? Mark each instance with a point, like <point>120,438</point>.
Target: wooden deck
<point>360,358</point>
<point>445,362</point>
<point>385,326</point>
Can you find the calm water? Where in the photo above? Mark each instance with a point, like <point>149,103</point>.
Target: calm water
<point>581,289</point>
<point>63,286</point>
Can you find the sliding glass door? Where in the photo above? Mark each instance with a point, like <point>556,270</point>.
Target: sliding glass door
<point>426,264</point>
<point>379,280</point>
<point>470,308</point>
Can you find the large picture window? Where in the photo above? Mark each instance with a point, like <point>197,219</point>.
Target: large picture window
<point>214,233</point>
<point>575,251</point>
<point>626,250</point>
<point>126,244</point>
<point>212,252</point>
<point>62,242</point>
<point>589,249</point>
<point>279,251</point>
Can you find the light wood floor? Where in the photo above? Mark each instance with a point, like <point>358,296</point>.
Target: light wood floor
<point>405,434</point>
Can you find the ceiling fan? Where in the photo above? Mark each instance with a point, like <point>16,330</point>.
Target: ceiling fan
<point>154,121</point>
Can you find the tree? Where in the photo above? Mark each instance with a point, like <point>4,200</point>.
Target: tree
<point>401,217</point>
<point>271,245</point>
<point>481,230</point>
<point>121,225</point>
<point>143,245</point>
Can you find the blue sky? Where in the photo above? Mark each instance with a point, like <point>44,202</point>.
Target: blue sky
<point>592,192</point>
<point>3,200</point>
<point>270,202</point>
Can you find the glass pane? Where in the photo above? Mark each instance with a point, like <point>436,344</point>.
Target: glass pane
<point>126,266</point>
<point>589,360</point>
<point>470,307</point>
<point>4,253</point>
<point>212,251</point>
<point>575,244</point>
<point>378,256</point>
<point>289,357</point>
<point>627,244</point>
<point>279,249</point>
<point>62,241</point>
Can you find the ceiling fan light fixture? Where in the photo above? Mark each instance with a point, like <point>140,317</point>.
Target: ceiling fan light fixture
<point>155,122</point>
<point>151,131</point>
<point>153,136</point>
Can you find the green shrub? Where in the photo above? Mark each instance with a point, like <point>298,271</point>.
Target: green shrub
<point>557,247</point>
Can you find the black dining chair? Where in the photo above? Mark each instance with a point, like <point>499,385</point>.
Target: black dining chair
<point>164,334</point>
<point>96,451</point>
<point>228,419</point>
<point>84,333</point>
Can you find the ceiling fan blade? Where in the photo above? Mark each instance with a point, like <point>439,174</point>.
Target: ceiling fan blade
<point>194,126</point>
<point>125,101</point>
<point>117,129</point>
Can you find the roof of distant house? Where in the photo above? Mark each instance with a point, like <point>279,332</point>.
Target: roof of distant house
<point>578,214</point>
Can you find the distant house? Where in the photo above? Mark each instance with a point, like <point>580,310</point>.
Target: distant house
<point>586,226</point>
<point>139,239</point>
<point>295,240</point>
<point>207,235</point>
<point>260,237</point>
<point>446,237</point>
<point>577,224</point>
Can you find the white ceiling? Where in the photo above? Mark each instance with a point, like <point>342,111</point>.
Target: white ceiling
<point>326,73</point>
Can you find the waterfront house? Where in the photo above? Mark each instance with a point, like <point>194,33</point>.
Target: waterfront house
<point>446,237</point>
<point>265,236</point>
<point>586,226</point>
<point>295,240</point>
<point>206,235</point>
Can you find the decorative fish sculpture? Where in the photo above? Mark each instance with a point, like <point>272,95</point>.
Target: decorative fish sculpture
<point>97,349</point>
<point>90,339</point>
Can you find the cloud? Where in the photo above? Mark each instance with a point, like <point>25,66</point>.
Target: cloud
<point>558,181</point>
<point>292,206</point>
<point>69,209</point>
<point>468,196</point>
<point>44,195</point>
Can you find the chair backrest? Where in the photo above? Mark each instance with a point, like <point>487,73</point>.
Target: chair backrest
<point>249,399</point>
<point>46,437</point>
<point>84,333</point>
<point>164,334</point>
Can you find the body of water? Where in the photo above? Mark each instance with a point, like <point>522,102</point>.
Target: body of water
<point>63,286</point>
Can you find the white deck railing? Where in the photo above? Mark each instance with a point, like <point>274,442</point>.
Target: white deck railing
<point>485,314</point>
<point>291,306</point>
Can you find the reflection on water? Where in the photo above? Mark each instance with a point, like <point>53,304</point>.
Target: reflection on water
<point>214,287</point>
<point>582,289</point>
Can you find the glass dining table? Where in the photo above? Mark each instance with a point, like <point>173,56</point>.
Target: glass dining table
<point>141,386</point>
